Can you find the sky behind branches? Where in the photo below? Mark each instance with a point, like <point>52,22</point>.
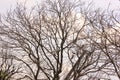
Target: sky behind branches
<point>7,4</point>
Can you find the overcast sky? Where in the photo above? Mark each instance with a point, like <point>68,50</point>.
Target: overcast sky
<point>7,4</point>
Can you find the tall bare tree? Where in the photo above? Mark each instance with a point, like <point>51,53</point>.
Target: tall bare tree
<point>61,40</point>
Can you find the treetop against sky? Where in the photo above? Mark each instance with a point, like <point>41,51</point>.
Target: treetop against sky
<point>7,4</point>
<point>55,42</point>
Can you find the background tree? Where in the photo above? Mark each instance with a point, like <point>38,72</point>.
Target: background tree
<point>61,40</point>
<point>8,69</point>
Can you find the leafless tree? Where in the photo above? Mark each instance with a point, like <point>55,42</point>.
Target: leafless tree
<point>61,40</point>
<point>106,38</point>
<point>8,69</point>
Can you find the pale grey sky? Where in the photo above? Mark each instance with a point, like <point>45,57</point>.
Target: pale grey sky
<point>114,4</point>
<point>7,4</point>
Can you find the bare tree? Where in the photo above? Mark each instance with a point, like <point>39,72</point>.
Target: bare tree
<point>60,40</point>
<point>8,69</point>
<point>107,41</point>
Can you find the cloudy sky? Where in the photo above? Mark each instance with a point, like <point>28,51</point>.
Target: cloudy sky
<point>7,4</point>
